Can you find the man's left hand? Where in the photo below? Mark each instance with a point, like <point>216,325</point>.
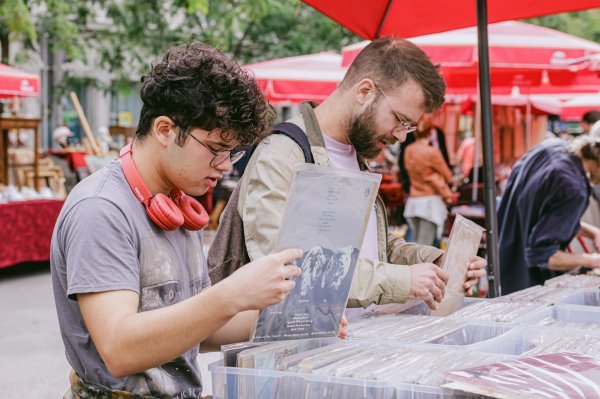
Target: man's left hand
<point>475,271</point>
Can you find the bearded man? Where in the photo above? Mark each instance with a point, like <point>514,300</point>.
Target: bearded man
<point>386,89</point>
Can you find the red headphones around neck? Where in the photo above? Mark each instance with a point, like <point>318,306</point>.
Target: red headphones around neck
<point>167,212</point>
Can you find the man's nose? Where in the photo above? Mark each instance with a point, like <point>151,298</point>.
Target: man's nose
<point>399,135</point>
<point>225,166</point>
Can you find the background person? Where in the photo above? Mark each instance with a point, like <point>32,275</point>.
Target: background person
<point>426,209</point>
<point>588,119</point>
<point>541,209</point>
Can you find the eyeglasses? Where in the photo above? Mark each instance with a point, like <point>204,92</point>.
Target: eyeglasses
<point>405,126</point>
<point>220,156</point>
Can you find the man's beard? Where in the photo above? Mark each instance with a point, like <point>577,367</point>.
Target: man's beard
<point>361,133</point>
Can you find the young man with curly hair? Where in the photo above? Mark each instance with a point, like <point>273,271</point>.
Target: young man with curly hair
<point>131,286</point>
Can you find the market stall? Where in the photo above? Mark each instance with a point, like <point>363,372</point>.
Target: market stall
<point>291,80</point>
<point>31,187</point>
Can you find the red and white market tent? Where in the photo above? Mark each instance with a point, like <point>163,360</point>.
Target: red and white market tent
<point>301,78</point>
<point>16,83</point>
<point>537,59</point>
<point>574,108</point>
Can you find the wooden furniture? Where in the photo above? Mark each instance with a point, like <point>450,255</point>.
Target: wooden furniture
<point>6,124</point>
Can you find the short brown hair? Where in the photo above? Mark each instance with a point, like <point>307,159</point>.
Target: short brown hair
<point>390,62</point>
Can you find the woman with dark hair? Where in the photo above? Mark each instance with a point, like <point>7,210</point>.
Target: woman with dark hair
<point>429,175</point>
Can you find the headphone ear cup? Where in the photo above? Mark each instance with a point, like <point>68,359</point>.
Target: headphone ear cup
<point>194,215</point>
<point>165,213</point>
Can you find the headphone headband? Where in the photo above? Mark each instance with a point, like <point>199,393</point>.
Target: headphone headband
<point>132,175</point>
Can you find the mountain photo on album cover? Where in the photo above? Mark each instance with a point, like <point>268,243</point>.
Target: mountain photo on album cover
<point>326,216</point>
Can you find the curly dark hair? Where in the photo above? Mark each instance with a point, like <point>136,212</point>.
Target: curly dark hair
<point>197,86</point>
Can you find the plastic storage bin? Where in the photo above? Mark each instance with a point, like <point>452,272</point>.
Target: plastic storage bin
<point>584,297</point>
<point>410,307</point>
<point>471,334</point>
<point>243,383</point>
<point>585,318</point>
<point>497,311</point>
<point>524,339</point>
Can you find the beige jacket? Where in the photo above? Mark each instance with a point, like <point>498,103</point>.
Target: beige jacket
<point>264,188</point>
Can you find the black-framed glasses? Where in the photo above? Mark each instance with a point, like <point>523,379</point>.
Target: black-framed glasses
<point>220,156</point>
<point>405,126</point>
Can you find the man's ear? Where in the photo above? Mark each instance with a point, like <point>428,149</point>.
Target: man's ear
<point>365,91</point>
<point>163,128</point>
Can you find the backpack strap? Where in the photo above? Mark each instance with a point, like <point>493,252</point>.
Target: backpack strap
<point>311,124</point>
<point>295,133</point>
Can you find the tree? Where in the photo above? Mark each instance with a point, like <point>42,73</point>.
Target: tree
<point>585,24</point>
<point>15,24</point>
<point>123,36</point>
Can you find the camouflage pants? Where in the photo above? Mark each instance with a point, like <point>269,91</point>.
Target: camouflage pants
<point>79,389</point>
<point>82,390</point>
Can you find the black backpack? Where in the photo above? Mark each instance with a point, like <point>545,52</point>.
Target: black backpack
<point>228,250</point>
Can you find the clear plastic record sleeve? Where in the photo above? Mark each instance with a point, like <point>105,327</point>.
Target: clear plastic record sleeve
<point>463,244</point>
<point>326,216</point>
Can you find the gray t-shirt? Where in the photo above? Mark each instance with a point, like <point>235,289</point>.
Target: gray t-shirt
<point>104,241</point>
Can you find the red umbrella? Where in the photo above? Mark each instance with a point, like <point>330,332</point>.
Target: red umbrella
<point>537,59</point>
<point>375,18</point>
<point>16,83</point>
<point>302,78</point>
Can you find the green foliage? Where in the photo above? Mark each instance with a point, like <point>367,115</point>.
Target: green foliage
<point>15,24</point>
<point>15,18</point>
<point>123,36</point>
<point>585,24</point>
<point>289,30</point>
<point>200,6</point>
<point>61,24</point>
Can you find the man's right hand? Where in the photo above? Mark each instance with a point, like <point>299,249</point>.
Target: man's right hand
<point>264,282</point>
<point>428,282</point>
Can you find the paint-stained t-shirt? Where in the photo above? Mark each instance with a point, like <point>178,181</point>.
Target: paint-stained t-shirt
<point>104,241</point>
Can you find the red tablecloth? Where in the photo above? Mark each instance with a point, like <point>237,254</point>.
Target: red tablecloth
<point>26,229</point>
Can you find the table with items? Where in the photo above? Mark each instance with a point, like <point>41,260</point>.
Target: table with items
<point>26,230</point>
<point>540,342</point>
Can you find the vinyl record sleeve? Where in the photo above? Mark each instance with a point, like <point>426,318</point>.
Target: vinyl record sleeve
<point>553,375</point>
<point>326,216</point>
<point>463,244</point>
